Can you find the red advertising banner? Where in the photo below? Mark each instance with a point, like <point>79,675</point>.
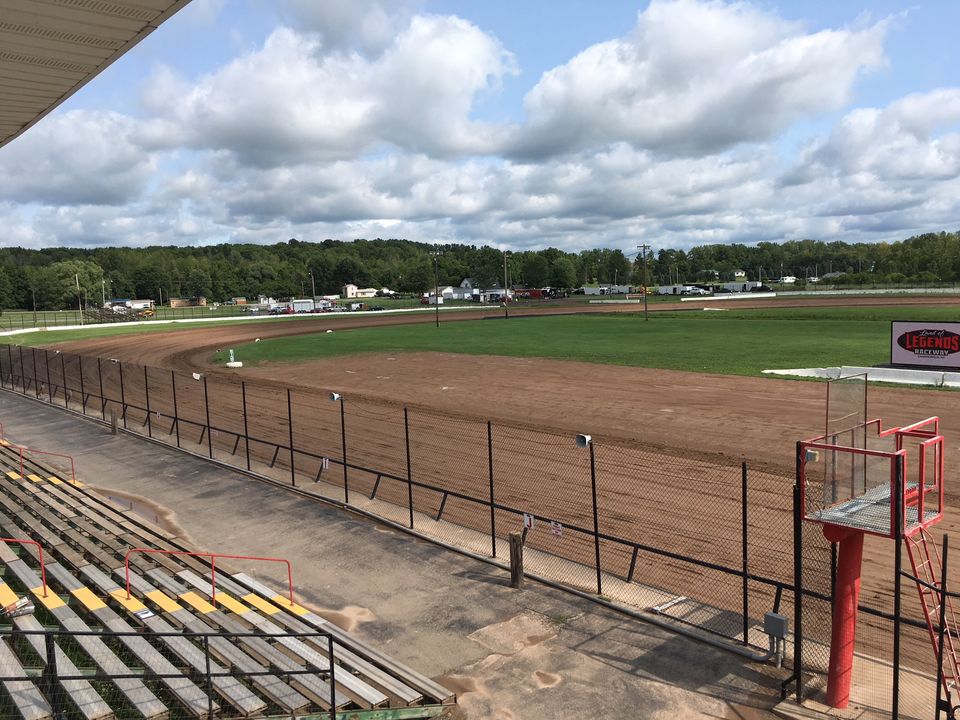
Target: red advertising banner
<point>926,344</point>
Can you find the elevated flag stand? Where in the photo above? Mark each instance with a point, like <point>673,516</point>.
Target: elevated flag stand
<point>859,478</point>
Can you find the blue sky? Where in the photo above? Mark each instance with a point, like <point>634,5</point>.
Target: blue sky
<point>533,124</point>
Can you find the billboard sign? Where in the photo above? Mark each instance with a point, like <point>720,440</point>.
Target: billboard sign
<point>927,344</point>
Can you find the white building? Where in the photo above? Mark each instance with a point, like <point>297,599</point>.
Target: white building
<point>351,291</point>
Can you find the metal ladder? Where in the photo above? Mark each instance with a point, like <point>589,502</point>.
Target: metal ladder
<point>925,560</point>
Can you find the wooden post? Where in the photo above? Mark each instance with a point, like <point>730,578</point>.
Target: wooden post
<point>516,560</point>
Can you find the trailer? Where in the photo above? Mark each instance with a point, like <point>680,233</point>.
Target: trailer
<point>301,305</point>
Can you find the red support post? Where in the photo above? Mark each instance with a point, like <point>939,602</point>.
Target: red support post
<point>844,631</point>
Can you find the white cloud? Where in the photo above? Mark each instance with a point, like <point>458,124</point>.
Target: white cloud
<point>335,128</point>
<point>290,102</point>
<point>78,157</point>
<point>695,77</point>
<point>366,25</point>
<point>915,138</point>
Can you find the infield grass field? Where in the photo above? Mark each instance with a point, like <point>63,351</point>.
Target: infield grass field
<point>738,342</point>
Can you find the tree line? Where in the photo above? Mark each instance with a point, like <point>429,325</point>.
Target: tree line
<point>59,278</point>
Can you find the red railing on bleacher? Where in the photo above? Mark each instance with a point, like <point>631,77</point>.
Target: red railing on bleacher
<point>213,566</point>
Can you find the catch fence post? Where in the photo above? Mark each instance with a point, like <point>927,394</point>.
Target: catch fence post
<point>146,391</point>
<point>493,513</point>
<point>83,392</point>
<point>10,359</point>
<point>943,622</point>
<point>293,472</point>
<point>246,430</point>
<point>897,568</point>
<point>176,412</point>
<point>63,374</point>
<point>46,363</point>
<point>406,440</point>
<point>51,674</point>
<point>210,691</point>
<point>833,569</point>
<point>206,405</point>
<point>596,515</point>
<point>36,373</point>
<point>343,438</point>
<point>103,398</point>
<point>798,580</point>
<point>123,397</point>
<point>744,550</point>
<point>23,372</point>
<point>333,682</point>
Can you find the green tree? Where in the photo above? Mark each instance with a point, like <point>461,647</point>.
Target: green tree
<point>66,276</point>
<point>563,273</point>
<point>148,280</point>
<point>417,277</point>
<point>536,271</point>
<point>198,283</point>
<point>6,288</point>
<point>614,267</point>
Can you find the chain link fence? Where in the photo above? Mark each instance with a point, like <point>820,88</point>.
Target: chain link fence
<point>702,539</point>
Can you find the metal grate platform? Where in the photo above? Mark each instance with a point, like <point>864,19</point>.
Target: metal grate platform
<point>870,512</point>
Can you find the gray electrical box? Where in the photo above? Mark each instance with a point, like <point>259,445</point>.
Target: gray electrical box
<point>775,625</point>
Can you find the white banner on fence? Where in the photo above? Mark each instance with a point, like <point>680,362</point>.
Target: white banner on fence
<point>930,344</point>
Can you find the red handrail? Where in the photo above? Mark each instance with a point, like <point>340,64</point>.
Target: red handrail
<point>23,450</point>
<point>927,431</point>
<point>43,571</point>
<point>213,566</point>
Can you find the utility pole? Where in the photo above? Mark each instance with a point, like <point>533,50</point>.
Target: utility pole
<point>313,290</point>
<point>643,249</point>
<point>506,297</point>
<point>103,291</point>
<point>76,277</point>
<point>436,283</point>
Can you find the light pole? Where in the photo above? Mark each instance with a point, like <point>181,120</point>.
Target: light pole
<point>436,284</point>
<point>313,290</point>
<point>585,441</point>
<point>338,398</point>
<point>103,291</point>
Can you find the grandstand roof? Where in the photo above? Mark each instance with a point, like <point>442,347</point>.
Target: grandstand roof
<point>49,49</point>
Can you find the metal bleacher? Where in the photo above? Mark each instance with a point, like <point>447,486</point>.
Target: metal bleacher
<point>171,649</point>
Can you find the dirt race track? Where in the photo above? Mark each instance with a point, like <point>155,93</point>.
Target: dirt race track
<point>668,444</point>
<point>759,419</point>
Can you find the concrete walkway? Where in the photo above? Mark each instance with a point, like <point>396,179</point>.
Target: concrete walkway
<point>533,653</point>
